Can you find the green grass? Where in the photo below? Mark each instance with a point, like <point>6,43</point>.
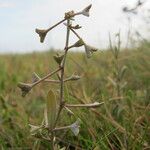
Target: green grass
<point>118,124</point>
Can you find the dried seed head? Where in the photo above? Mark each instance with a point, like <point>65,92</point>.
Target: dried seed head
<point>89,50</point>
<point>25,88</point>
<point>86,11</point>
<point>69,14</point>
<point>58,58</point>
<point>42,34</point>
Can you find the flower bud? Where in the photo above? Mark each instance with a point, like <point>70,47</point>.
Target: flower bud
<point>42,34</point>
<point>25,88</point>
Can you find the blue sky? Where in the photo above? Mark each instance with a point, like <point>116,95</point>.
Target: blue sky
<point>19,18</point>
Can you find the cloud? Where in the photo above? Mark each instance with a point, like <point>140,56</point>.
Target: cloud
<point>6,5</point>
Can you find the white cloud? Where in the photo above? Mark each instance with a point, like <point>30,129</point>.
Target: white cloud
<point>6,5</point>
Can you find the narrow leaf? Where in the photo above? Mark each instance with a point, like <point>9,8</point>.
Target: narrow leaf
<point>51,109</point>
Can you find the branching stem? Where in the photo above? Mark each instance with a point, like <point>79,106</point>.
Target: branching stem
<point>62,80</point>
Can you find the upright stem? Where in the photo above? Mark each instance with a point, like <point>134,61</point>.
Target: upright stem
<point>62,72</point>
<point>63,64</point>
<point>61,82</point>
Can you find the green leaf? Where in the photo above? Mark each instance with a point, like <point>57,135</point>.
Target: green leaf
<point>51,109</point>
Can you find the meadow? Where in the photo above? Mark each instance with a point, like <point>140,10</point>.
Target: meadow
<point>122,122</point>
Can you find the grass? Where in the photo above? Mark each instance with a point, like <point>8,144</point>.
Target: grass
<point>122,123</point>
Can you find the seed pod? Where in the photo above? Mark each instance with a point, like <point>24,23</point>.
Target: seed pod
<point>79,43</point>
<point>86,11</point>
<point>42,34</point>
<point>89,50</point>
<point>25,88</point>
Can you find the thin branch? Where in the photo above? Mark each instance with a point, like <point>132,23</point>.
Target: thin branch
<point>85,105</point>
<point>57,81</point>
<point>70,15</point>
<point>61,128</point>
<point>92,105</point>
<point>47,76</point>
<point>56,25</point>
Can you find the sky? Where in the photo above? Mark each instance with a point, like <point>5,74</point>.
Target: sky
<point>19,18</point>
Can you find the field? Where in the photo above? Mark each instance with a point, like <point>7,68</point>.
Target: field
<point>122,122</point>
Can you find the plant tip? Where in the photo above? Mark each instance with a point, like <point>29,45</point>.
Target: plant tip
<point>86,11</point>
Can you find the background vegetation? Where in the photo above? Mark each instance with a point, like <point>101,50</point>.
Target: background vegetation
<point>122,122</point>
